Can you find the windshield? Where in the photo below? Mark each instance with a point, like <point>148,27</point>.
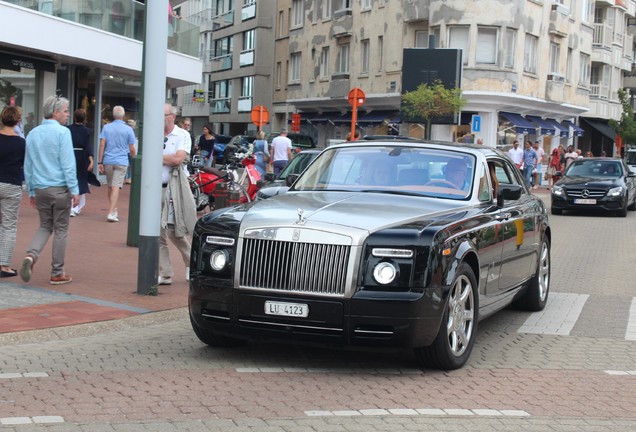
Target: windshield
<point>631,157</point>
<point>391,169</point>
<point>595,168</point>
<point>297,164</point>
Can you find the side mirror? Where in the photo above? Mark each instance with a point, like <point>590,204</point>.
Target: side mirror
<point>290,179</point>
<point>508,192</point>
<point>270,177</point>
<point>631,174</point>
<point>558,174</point>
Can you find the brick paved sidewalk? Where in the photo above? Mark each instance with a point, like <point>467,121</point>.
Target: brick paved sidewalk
<point>103,267</point>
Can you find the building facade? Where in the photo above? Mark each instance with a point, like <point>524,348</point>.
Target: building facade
<point>539,70</point>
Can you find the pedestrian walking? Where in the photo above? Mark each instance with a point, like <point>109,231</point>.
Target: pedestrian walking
<point>539,167</point>
<point>516,154</point>
<point>81,136</point>
<point>116,144</point>
<point>281,151</point>
<point>530,159</point>
<point>51,180</point>
<point>178,209</point>
<point>12,149</point>
<point>261,152</point>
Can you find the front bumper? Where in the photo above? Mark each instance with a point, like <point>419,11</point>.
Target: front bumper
<point>605,203</point>
<point>369,318</point>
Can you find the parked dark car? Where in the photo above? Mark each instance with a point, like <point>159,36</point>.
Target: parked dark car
<point>279,185</point>
<point>404,244</point>
<point>220,141</point>
<point>595,184</point>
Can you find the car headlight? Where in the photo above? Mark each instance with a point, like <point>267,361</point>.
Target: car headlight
<point>614,192</point>
<point>384,273</point>
<point>558,191</point>
<point>218,259</point>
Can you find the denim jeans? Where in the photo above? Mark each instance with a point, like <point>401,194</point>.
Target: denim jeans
<point>527,173</point>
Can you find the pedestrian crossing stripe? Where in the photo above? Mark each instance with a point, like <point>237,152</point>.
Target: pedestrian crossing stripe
<point>558,317</point>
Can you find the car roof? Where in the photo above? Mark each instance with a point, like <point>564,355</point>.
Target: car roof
<point>470,148</point>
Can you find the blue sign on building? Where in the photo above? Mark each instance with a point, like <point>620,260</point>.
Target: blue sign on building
<point>475,124</point>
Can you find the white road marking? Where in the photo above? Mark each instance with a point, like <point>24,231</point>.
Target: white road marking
<point>558,317</point>
<point>13,375</point>
<point>620,372</point>
<point>421,411</point>
<point>330,370</point>
<point>31,420</point>
<point>630,333</point>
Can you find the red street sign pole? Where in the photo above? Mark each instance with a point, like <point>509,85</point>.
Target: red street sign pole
<point>356,97</point>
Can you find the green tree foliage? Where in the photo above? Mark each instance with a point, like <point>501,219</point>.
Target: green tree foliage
<point>430,101</point>
<point>626,126</point>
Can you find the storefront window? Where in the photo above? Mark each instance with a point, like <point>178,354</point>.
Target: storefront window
<point>19,88</point>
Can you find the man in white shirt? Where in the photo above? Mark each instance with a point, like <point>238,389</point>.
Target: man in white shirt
<point>516,154</point>
<point>281,151</point>
<point>570,156</point>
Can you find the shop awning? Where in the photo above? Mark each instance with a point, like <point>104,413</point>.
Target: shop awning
<point>563,131</point>
<point>342,118</point>
<point>577,130</point>
<point>377,117</point>
<point>322,118</point>
<point>602,127</point>
<point>545,127</point>
<point>522,126</point>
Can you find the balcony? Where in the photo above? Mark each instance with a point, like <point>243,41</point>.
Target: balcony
<point>121,17</point>
<point>559,21</point>
<point>603,36</point>
<point>342,24</point>
<point>415,10</point>
<point>599,91</point>
<point>245,104</point>
<point>555,88</point>
<point>223,20</point>
<point>221,63</point>
<point>221,105</point>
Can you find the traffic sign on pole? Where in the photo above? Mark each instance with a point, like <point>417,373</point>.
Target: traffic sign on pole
<point>259,116</point>
<point>356,98</point>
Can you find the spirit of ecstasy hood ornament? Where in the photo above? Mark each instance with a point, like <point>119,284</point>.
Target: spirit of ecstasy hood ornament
<point>301,220</point>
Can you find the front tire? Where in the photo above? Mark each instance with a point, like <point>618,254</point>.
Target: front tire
<point>213,339</point>
<point>623,212</point>
<point>536,295</point>
<point>456,337</point>
<point>556,211</point>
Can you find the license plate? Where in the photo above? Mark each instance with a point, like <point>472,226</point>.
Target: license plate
<point>287,309</point>
<point>584,201</point>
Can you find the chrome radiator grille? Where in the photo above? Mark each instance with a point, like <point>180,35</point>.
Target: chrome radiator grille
<point>294,266</point>
<point>591,193</point>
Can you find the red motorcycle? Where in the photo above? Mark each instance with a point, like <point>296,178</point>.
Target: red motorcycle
<point>218,188</point>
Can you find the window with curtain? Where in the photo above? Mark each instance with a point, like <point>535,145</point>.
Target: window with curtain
<point>281,23</point>
<point>510,40</point>
<point>530,54</point>
<point>342,63</point>
<point>380,53</point>
<point>421,39</point>
<point>324,62</point>
<point>365,56</point>
<point>486,52</point>
<point>568,66</point>
<point>297,12</point>
<point>584,70</point>
<point>279,75</point>
<point>458,39</point>
<point>326,9</point>
<point>294,68</point>
<point>555,58</point>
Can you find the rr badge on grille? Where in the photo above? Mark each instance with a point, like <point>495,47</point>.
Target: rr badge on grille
<point>296,235</point>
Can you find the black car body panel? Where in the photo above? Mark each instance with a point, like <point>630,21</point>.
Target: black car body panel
<point>307,265</point>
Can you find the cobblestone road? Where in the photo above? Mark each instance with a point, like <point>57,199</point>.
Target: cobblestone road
<point>150,373</point>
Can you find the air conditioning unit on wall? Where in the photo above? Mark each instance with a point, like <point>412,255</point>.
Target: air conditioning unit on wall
<point>556,78</point>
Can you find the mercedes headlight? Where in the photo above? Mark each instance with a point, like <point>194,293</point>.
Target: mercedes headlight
<point>615,192</point>
<point>558,191</point>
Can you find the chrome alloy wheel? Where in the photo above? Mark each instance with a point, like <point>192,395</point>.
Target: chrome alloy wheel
<point>544,272</point>
<point>461,315</point>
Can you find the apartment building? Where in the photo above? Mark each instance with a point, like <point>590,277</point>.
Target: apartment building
<point>87,51</point>
<point>539,70</point>
<point>236,45</point>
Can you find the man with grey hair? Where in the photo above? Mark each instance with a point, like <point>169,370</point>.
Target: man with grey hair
<point>116,143</point>
<point>51,180</point>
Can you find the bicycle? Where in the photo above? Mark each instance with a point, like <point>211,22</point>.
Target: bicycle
<point>204,181</point>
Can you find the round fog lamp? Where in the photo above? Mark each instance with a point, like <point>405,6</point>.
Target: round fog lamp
<point>384,273</point>
<point>218,260</point>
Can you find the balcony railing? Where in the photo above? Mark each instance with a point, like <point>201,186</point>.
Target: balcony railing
<point>603,35</point>
<point>599,91</point>
<point>245,104</point>
<point>122,17</point>
<point>223,20</point>
<point>221,105</point>
<point>221,63</point>
<point>246,58</point>
<point>248,11</point>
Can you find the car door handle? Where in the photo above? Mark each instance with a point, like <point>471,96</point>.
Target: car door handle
<point>503,216</point>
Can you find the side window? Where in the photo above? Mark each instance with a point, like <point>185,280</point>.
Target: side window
<point>484,184</point>
<point>504,172</point>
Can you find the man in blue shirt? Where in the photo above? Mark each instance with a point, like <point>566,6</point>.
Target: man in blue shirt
<point>530,159</point>
<point>116,142</point>
<point>51,180</point>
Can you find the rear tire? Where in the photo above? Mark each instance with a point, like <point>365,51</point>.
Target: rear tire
<point>201,199</point>
<point>536,295</point>
<point>456,336</point>
<point>215,340</point>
